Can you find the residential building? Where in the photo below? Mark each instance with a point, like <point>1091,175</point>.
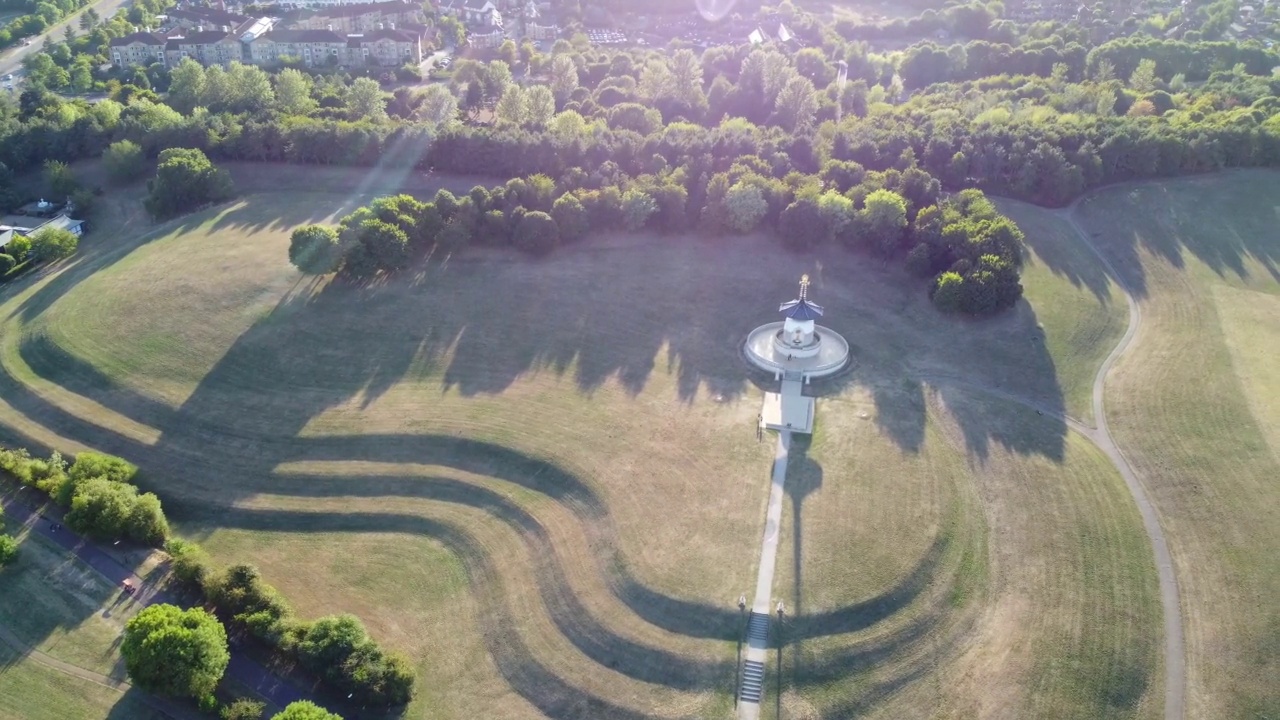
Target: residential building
<point>534,31</point>
<point>140,48</point>
<point>485,37</point>
<point>354,18</point>
<point>312,47</point>
<point>60,221</point>
<point>384,47</point>
<point>207,47</point>
<point>197,18</point>
<point>473,12</point>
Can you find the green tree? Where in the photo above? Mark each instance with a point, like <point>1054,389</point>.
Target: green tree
<point>8,550</point>
<point>7,263</point>
<point>438,105</point>
<point>564,78</point>
<point>796,104</point>
<point>536,233</point>
<point>50,244</point>
<point>184,181</point>
<point>243,709</point>
<point>883,218</point>
<point>511,107</point>
<point>745,205</point>
<point>570,217</point>
<point>366,101</point>
<point>315,249</point>
<point>305,710</point>
<point>387,245</point>
<point>250,89</point>
<point>637,207</point>
<point>106,510</point>
<point>174,652</point>
<point>124,160</point>
<point>60,179</point>
<point>18,247</point>
<point>508,53</point>
<point>539,106</point>
<point>293,92</point>
<point>186,85</point>
<point>1144,78</point>
<point>496,78</point>
<point>802,224</point>
<point>81,75</point>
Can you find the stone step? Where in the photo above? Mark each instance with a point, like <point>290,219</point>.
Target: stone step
<point>758,627</point>
<point>752,682</point>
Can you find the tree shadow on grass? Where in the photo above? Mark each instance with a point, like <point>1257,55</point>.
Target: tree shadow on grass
<point>1224,220</point>
<point>481,325</point>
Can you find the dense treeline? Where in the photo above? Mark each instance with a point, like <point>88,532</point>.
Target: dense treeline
<point>969,250</point>
<point>40,15</point>
<point>724,141</point>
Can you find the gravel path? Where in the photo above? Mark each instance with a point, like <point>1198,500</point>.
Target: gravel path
<point>1175,676</point>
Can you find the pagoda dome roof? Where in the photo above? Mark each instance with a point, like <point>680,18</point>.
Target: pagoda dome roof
<point>801,309</point>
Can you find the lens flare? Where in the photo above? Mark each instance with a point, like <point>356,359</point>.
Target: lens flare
<point>714,10</point>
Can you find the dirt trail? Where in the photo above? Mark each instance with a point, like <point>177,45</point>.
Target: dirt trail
<point>1175,675</point>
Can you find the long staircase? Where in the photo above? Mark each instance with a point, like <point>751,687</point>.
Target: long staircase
<point>752,688</point>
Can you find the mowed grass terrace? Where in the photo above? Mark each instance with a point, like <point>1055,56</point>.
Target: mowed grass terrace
<point>540,479</point>
<point>1195,405</point>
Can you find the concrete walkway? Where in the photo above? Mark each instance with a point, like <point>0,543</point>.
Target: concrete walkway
<point>761,609</point>
<point>1175,669</point>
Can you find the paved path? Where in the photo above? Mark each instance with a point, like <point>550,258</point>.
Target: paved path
<point>1175,675</point>
<point>20,508</point>
<point>758,639</point>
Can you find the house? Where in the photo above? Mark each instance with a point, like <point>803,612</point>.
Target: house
<point>356,18</point>
<point>485,38</point>
<point>63,222</point>
<point>312,47</point>
<point>207,47</point>
<point>537,26</point>
<point>473,12</point>
<point>140,48</point>
<point>385,47</point>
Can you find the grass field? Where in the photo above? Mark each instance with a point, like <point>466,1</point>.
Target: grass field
<point>1195,404</point>
<point>52,603</point>
<point>540,479</point>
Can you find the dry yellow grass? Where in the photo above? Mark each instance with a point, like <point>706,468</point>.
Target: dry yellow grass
<point>1193,406</point>
<point>540,478</point>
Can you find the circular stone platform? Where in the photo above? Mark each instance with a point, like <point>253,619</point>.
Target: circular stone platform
<point>763,352</point>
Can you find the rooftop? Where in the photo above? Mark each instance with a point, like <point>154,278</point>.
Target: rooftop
<point>302,36</point>
<point>145,38</point>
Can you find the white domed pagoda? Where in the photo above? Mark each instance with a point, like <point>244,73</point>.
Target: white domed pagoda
<point>797,347</point>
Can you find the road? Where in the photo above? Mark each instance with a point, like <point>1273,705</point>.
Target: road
<point>11,59</point>
<point>20,508</point>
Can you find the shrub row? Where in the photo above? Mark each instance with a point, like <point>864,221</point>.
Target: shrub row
<point>105,505</point>
<point>97,491</point>
<point>336,648</point>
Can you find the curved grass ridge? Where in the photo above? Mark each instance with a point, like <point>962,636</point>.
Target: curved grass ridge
<point>593,639</point>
